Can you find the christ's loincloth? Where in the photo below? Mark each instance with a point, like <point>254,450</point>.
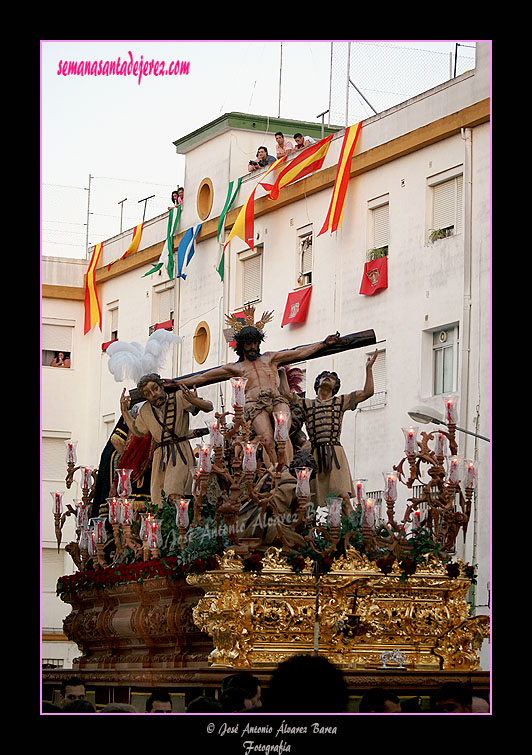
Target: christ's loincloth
<point>265,402</point>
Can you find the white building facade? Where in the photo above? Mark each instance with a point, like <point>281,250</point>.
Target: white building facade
<point>420,167</point>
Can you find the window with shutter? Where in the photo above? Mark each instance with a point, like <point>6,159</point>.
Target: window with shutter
<point>446,208</point>
<point>305,260</point>
<point>162,305</point>
<point>444,360</point>
<point>380,226</point>
<point>379,229</point>
<point>251,279</point>
<point>55,338</point>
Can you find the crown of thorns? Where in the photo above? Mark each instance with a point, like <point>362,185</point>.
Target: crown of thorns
<point>249,317</point>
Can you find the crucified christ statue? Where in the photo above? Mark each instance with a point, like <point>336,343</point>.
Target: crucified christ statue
<point>262,393</point>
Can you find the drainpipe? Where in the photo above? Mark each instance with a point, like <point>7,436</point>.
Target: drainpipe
<point>465,336</point>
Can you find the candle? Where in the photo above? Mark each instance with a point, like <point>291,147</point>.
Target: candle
<point>303,482</point>
<point>57,506</point>
<point>281,425</point>
<point>450,410</point>
<point>360,491</point>
<point>181,518</point>
<point>239,391</point>
<point>416,520</point>
<point>91,544</point>
<point>86,477</point>
<point>470,473</point>
<point>215,436</point>
<point>154,533</point>
<point>369,512</point>
<point>249,460</point>
<point>335,511</point>
<point>82,514</point>
<point>204,457</point>
<point>126,512</point>
<point>71,457</point>
<point>410,434</point>
<point>144,527</point>
<point>440,444</point>
<point>390,485</point>
<point>454,470</point>
<point>113,506</point>
<point>98,532</point>
<point>124,482</point>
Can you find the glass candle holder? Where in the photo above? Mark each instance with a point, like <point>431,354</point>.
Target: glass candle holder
<point>369,512</point>
<point>416,520</point>
<point>181,516</point>
<point>71,451</point>
<point>82,514</point>
<point>440,444</point>
<point>334,511</point>
<point>91,542</point>
<point>113,507</point>
<point>281,419</point>
<point>126,512</point>
<point>390,485</point>
<point>454,469</point>
<point>204,457</point>
<point>249,458</point>
<point>303,482</point>
<point>86,477</point>
<point>154,536</point>
<point>57,502</point>
<point>238,385</point>
<point>451,410</point>
<point>123,487</point>
<point>83,540</point>
<point>143,531</point>
<point>360,491</point>
<point>410,434</point>
<point>470,473</point>
<point>98,528</point>
<point>215,436</point>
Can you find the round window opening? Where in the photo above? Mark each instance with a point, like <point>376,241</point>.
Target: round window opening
<point>205,198</point>
<point>202,342</point>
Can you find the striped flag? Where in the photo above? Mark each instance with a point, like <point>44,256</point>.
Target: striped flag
<point>93,313</point>
<point>133,247</point>
<point>309,160</point>
<point>167,254</point>
<point>186,250</point>
<point>244,225</point>
<point>335,215</point>
<point>232,191</point>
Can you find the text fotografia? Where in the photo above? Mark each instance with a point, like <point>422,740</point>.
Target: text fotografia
<point>119,67</point>
<point>284,729</point>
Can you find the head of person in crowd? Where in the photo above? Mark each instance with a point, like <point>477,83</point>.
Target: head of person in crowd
<point>72,689</point>
<point>242,686</point>
<point>379,700</point>
<point>452,697</point>
<point>159,702</point>
<point>307,684</point>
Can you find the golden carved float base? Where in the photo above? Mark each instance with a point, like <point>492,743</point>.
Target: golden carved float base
<point>366,619</point>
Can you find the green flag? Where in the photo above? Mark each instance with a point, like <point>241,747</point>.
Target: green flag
<point>232,191</point>
<point>167,254</point>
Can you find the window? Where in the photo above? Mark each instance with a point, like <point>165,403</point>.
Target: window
<point>111,326</point>
<point>304,246</point>
<point>201,342</point>
<point>251,265</point>
<point>163,306</point>
<point>447,190</point>
<point>56,340</point>
<point>444,360</point>
<point>379,215</point>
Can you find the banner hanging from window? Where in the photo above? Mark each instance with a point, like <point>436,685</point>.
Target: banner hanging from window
<point>297,304</point>
<point>375,276</point>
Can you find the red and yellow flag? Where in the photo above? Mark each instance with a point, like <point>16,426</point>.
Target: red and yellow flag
<point>133,247</point>
<point>244,225</point>
<point>335,215</point>
<point>309,160</point>
<point>93,313</point>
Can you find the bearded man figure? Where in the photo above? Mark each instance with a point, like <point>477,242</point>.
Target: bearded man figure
<point>166,417</point>
<point>261,371</point>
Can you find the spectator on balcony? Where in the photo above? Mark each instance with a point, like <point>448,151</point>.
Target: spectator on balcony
<point>177,197</point>
<point>303,141</point>
<point>61,359</point>
<point>284,146</point>
<point>262,161</point>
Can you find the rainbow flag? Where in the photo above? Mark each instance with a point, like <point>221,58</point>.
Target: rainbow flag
<point>244,225</point>
<point>93,313</point>
<point>335,215</point>
<point>133,247</point>
<point>309,160</point>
